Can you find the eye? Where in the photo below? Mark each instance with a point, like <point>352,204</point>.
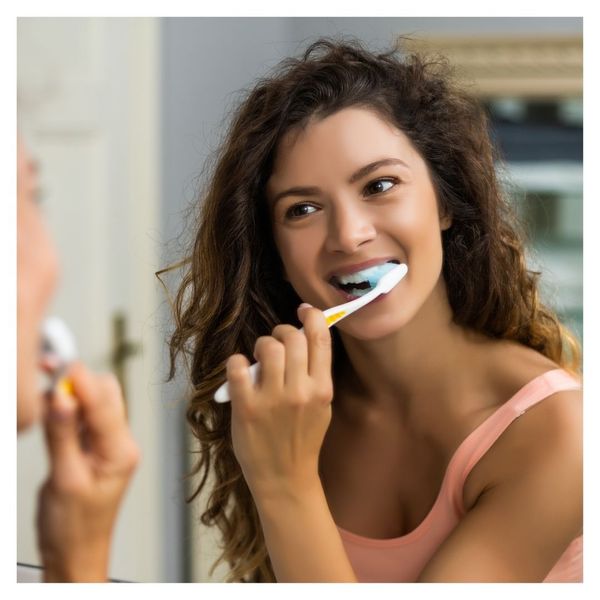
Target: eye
<point>299,210</point>
<point>379,186</point>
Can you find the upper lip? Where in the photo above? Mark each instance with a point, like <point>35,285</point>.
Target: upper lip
<point>349,269</point>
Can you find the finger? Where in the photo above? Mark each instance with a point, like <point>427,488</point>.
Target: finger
<point>61,429</point>
<point>319,345</point>
<point>103,411</point>
<point>296,356</point>
<point>270,353</point>
<point>238,379</point>
<point>302,307</point>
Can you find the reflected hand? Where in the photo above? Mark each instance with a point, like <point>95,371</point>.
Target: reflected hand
<point>92,458</point>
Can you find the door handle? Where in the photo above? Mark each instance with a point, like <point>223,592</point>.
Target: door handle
<point>122,349</point>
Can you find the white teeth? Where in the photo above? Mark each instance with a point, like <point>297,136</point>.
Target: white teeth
<point>359,276</point>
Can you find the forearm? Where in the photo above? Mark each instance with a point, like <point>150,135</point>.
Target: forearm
<point>302,539</point>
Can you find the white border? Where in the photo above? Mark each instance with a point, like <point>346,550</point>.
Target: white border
<point>309,8</point>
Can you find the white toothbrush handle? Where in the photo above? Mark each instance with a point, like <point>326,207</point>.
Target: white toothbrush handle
<point>337,313</point>
<point>222,394</point>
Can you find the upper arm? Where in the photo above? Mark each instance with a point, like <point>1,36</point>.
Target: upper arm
<point>531,507</point>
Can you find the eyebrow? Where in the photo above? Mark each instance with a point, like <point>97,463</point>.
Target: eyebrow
<point>362,172</point>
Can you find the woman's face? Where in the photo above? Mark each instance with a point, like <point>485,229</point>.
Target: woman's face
<point>37,272</point>
<point>347,192</point>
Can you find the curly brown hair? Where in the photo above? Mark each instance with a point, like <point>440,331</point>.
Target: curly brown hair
<point>233,289</point>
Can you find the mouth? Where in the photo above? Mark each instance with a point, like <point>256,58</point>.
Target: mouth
<point>359,283</point>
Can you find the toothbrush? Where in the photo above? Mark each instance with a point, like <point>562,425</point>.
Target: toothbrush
<point>334,315</point>
<point>59,350</point>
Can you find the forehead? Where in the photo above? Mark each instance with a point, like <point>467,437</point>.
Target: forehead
<point>341,142</point>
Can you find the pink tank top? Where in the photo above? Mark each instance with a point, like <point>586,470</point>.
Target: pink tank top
<point>402,559</point>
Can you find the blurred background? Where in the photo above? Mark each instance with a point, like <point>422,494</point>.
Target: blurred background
<point>122,114</point>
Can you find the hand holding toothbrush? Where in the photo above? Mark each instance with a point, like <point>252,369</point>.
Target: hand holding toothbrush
<point>336,314</point>
<point>92,458</point>
<point>279,422</point>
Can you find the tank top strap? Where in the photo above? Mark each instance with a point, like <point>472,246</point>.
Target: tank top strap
<point>481,439</point>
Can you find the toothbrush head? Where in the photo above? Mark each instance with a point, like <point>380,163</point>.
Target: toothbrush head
<point>392,278</point>
<point>385,285</point>
<point>58,340</point>
<point>376,273</point>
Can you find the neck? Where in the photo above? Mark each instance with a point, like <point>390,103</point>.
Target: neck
<point>418,371</point>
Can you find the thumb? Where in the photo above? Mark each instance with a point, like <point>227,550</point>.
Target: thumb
<point>62,426</point>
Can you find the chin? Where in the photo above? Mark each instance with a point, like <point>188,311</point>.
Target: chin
<point>371,329</point>
<point>27,416</point>
<point>29,406</point>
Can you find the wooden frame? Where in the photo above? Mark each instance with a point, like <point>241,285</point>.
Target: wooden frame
<point>534,67</point>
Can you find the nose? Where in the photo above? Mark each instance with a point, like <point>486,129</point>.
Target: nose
<point>349,227</point>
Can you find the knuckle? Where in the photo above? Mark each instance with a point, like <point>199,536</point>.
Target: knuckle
<point>133,456</point>
<point>236,373</point>
<point>299,399</point>
<point>294,337</point>
<point>324,393</point>
<point>236,367</point>
<point>283,330</point>
<point>245,411</point>
<point>325,340</point>
<point>267,345</point>
<point>316,317</point>
<point>261,342</point>
<point>317,330</point>
<point>322,339</point>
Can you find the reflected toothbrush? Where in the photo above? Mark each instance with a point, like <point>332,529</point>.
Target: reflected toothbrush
<point>58,351</point>
<point>335,314</point>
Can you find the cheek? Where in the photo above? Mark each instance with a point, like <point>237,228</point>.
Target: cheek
<point>416,224</point>
<point>37,264</point>
<point>298,251</point>
<point>37,280</point>
<point>29,400</point>
<point>37,275</point>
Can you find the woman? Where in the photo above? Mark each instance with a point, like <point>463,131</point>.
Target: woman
<point>388,450</point>
<point>92,455</point>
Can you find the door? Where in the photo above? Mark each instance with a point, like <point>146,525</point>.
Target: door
<point>88,109</point>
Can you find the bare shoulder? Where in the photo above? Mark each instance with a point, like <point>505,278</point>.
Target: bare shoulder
<point>549,433</point>
<point>544,442</point>
<point>530,505</point>
<point>524,497</point>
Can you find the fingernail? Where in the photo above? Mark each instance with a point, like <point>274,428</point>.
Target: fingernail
<point>305,305</point>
